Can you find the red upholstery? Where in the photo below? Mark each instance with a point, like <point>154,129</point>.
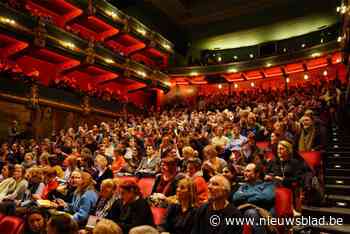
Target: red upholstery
<point>11,225</point>
<point>283,202</point>
<point>132,178</point>
<point>262,144</point>
<point>146,185</point>
<point>247,229</point>
<point>2,216</point>
<point>312,158</point>
<point>158,215</point>
<point>269,156</point>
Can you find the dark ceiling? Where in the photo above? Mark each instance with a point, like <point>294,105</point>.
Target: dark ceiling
<point>182,21</point>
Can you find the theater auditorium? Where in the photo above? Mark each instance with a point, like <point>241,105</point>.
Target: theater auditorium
<point>174,117</point>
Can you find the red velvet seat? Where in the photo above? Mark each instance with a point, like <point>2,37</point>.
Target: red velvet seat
<point>132,178</point>
<point>262,144</point>
<point>283,202</point>
<point>146,185</point>
<point>158,215</point>
<point>312,158</point>
<point>11,225</point>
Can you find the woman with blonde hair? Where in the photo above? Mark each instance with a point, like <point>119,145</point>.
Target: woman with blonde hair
<point>84,198</point>
<point>103,171</point>
<point>179,218</point>
<point>213,164</point>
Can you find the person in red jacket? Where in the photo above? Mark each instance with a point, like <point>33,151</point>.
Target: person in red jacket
<point>194,171</point>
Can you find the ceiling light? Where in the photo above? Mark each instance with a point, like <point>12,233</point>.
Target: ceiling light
<point>109,60</point>
<point>112,14</point>
<point>284,50</point>
<point>7,20</point>
<point>322,40</point>
<point>251,56</point>
<point>252,84</point>
<point>219,59</point>
<point>306,77</point>
<point>343,9</point>
<point>235,57</point>
<point>325,72</point>
<point>67,44</point>
<point>314,55</point>
<point>220,86</point>
<point>194,74</point>
<point>303,45</point>
<point>166,46</point>
<point>236,86</point>
<point>141,73</point>
<point>338,60</point>
<point>287,79</point>
<point>268,65</point>
<point>232,70</point>
<point>141,31</point>
<point>339,39</point>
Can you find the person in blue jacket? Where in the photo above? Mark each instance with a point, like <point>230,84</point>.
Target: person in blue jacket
<point>256,192</point>
<point>84,198</point>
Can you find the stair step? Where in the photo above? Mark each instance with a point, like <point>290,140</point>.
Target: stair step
<point>337,180</point>
<point>337,172</point>
<point>338,153</point>
<point>339,201</point>
<point>335,212</point>
<point>345,164</point>
<point>337,189</point>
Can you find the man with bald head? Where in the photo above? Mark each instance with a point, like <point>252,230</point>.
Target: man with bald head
<point>210,218</point>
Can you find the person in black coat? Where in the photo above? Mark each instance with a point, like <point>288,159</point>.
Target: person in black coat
<point>103,171</point>
<point>131,210</point>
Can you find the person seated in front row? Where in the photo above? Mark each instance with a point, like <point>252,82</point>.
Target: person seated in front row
<point>256,192</point>
<point>179,218</point>
<point>218,206</point>
<point>194,172</point>
<point>84,198</point>
<point>164,187</point>
<point>103,171</point>
<point>131,209</point>
<point>35,221</point>
<point>62,224</point>
<point>107,198</point>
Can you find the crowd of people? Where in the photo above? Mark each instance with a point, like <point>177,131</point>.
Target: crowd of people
<point>205,161</point>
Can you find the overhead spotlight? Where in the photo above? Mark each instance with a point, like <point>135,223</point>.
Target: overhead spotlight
<point>194,74</point>
<point>284,50</point>
<point>287,80</point>
<point>314,55</point>
<point>67,44</point>
<point>109,60</point>
<point>235,57</point>
<point>268,65</point>
<point>343,9</point>
<point>219,59</point>
<point>303,45</point>
<point>325,72</point>
<point>252,84</point>
<point>322,40</point>
<point>306,76</point>
<point>339,39</point>
<point>141,73</point>
<point>236,86</point>
<point>232,70</point>
<point>251,56</point>
<point>141,31</point>
<point>166,46</point>
<point>220,86</point>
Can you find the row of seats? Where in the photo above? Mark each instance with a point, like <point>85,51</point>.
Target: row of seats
<point>11,224</point>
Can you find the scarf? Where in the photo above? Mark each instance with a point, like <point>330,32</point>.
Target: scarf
<point>306,139</point>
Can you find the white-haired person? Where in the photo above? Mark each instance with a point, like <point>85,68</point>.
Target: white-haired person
<point>207,218</point>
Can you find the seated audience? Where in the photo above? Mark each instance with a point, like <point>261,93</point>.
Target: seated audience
<point>107,198</point>
<point>213,164</point>
<point>35,222</point>
<point>103,171</point>
<point>179,218</point>
<point>219,189</point>
<point>131,209</point>
<point>150,164</point>
<point>144,229</point>
<point>194,172</point>
<point>62,224</point>
<point>106,226</point>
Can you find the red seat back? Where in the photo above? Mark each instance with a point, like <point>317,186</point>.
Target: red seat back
<point>312,158</point>
<point>262,144</point>
<point>283,202</point>
<point>247,229</point>
<point>158,214</point>
<point>123,178</point>
<point>11,225</point>
<point>146,185</point>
